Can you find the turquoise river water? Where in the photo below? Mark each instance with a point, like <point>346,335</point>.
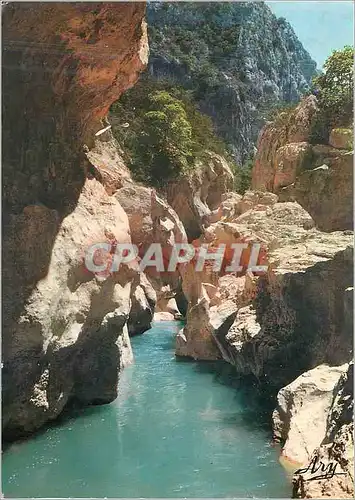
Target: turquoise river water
<point>177,429</point>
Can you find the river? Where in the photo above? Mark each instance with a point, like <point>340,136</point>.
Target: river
<point>177,429</point>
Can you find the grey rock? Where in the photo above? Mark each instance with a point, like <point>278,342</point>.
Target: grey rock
<point>262,62</point>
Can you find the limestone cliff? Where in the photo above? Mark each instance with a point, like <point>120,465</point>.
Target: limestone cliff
<point>64,330</point>
<point>318,176</point>
<point>196,195</point>
<point>152,221</point>
<point>292,318</point>
<point>291,326</point>
<point>237,58</point>
<point>303,406</point>
<point>300,308</point>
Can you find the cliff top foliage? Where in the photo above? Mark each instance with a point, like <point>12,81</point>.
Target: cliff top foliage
<point>165,133</point>
<point>334,90</point>
<point>334,87</point>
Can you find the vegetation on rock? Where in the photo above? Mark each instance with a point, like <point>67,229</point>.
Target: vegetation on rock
<point>163,133</point>
<point>334,90</point>
<point>242,176</point>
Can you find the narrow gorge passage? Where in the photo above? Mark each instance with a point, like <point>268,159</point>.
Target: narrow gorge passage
<point>177,429</point>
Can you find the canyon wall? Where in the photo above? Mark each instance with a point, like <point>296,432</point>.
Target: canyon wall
<point>64,329</point>
<point>289,162</point>
<point>289,328</point>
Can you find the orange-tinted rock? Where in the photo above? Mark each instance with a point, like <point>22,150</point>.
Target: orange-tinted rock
<point>289,127</point>
<point>107,164</point>
<point>290,161</point>
<point>270,139</point>
<point>318,177</point>
<point>341,138</point>
<point>64,331</point>
<point>300,124</point>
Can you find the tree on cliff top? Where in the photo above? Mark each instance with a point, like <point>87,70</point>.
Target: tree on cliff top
<point>166,138</point>
<point>334,87</point>
<point>166,133</point>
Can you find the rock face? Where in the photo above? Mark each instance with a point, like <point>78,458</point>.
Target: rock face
<point>238,58</point>
<point>71,318</point>
<point>151,220</point>
<point>196,196</point>
<point>66,188</point>
<point>208,291</point>
<point>71,90</point>
<point>107,164</point>
<point>318,176</point>
<point>166,307</point>
<point>300,418</point>
<point>300,309</point>
<point>326,192</point>
<point>143,301</point>
<point>337,448</point>
<point>56,313</point>
<point>290,326</point>
<point>294,317</point>
<point>205,325</point>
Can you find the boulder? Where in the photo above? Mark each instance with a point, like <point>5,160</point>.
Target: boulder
<point>163,316</point>
<point>205,326</point>
<point>242,331</point>
<point>271,137</point>
<point>300,418</point>
<point>302,119</point>
<point>277,226</point>
<point>290,161</point>
<point>337,448</point>
<point>107,164</point>
<point>326,192</point>
<point>228,208</point>
<point>319,177</point>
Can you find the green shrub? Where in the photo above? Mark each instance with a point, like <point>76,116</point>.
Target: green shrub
<point>334,91</point>
<point>242,176</point>
<point>166,132</point>
<point>269,110</point>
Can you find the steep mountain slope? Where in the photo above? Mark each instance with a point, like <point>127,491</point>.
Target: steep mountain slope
<point>237,58</point>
